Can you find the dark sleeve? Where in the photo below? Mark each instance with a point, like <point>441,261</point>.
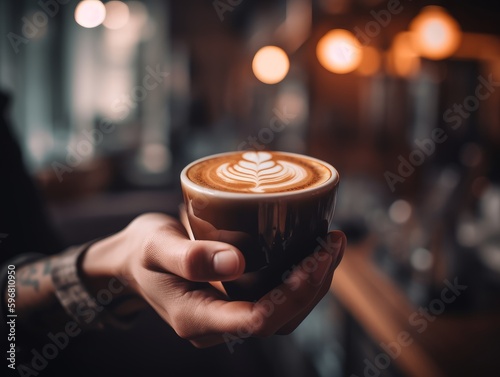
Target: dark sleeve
<point>24,224</point>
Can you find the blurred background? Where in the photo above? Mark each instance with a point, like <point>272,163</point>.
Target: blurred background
<point>109,100</point>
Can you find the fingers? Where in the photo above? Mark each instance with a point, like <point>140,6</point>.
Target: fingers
<point>282,309</point>
<point>218,321</point>
<point>169,249</point>
<point>334,238</point>
<point>297,320</point>
<point>199,312</point>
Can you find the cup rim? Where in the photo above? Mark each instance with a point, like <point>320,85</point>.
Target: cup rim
<point>330,182</point>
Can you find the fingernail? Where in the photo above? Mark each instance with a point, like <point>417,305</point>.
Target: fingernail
<point>334,242</point>
<point>226,262</point>
<point>336,247</point>
<point>337,261</point>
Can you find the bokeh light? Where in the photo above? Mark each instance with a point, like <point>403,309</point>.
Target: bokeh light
<point>40,144</point>
<point>270,64</point>
<point>90,13</point>
<point>403,60</point>
<point>339,51</point>
<point>437,34</point>
<point>400,211</point>
<point>370,61</point>
<point>155,158</point>
<point>421,259</point>
<point>468,234</point>
<point>117,15</point>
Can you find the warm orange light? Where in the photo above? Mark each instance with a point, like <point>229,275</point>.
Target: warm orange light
<point>403,59</point>
<point>370,61</point>
<point>117,15</point>
<point>339,51</point>
<point>270,64</point>
<point>437,34</point>
<point>90,13</point>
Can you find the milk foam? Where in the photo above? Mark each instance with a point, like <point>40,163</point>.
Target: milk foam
<point>259,172</point>
<point>258,169</point>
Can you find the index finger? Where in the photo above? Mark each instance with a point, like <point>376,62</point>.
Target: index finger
<point>242,319</point>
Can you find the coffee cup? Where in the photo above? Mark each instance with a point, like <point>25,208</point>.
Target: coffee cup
<point>275,207</point>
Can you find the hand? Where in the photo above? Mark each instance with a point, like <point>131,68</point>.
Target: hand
<point>171,273</point>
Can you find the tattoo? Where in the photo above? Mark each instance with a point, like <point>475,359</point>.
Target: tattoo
<point>30,275</point>
<point>27,277</point>
<point>47,266</point>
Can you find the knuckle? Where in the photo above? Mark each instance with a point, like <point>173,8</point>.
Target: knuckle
<point>259,327</point>
<point>149,250</point>
<point>182,329</point>
<point>187,323</point>
<point>192,261</point>
<point>183,332</point>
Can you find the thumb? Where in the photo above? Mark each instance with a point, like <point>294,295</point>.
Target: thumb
<point>170,249</point>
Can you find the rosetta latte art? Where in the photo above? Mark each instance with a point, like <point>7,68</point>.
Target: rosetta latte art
<point>259,170</point>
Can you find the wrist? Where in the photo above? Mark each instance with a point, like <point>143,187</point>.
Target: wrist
<point>104,260</point>
<point>104,269</point>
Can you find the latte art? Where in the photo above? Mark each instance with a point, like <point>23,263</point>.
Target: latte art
<point>258,169</point>
<point>259,172</point>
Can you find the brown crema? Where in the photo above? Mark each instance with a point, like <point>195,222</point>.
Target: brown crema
<point>259,172</point>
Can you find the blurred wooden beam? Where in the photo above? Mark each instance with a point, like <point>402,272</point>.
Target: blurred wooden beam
<point>382,310</point>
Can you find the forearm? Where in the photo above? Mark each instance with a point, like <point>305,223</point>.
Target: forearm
<point>78,284</point>
<point>35,301</point>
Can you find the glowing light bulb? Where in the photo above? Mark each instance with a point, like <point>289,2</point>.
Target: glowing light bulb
<point>437,34</point>
<point>90,13</point>
<point>270,64</point>
<point>339,51</point>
